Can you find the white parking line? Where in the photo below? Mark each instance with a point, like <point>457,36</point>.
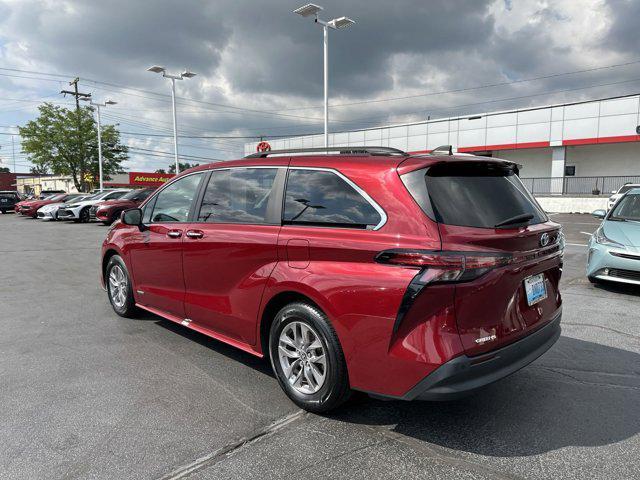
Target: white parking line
<point>576,244</point>
<point>586,233</point>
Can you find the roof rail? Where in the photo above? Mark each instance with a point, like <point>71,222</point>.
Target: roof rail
<point>341,150</point>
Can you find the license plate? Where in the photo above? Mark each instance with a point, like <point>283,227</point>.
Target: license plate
<point>535,288</point>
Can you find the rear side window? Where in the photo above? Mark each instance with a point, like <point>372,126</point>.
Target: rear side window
<point>478,195</point>
<point>173,203</point>
<point>239,195</point>
<point>322,198</point>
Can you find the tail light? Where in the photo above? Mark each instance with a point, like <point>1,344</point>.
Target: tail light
<point>444,267</point>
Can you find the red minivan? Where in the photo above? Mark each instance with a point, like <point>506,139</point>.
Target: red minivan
<point>402,276</point>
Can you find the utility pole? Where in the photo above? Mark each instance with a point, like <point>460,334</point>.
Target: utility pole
<point>78,95</point>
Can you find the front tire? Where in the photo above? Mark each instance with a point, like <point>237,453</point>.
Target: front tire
<point>307,358</point>
<point>3,211</point>
<point>119,287</point>
<point>84,216</point>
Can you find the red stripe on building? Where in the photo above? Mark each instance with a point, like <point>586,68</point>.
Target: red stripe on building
<point>504,146</point>
<point>593,141</point>
<point>545,144</point>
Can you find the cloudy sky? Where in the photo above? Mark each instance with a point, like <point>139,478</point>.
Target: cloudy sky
<point>260,67</point>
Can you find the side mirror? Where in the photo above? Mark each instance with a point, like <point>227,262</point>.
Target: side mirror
<point>133,217</point>
<point>599,213</point>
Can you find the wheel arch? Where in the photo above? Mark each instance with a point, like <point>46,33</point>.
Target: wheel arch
<point>273,306</point>
<point>110,252</point>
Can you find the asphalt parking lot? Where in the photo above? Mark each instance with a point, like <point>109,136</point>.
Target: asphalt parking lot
<point>87,394</point>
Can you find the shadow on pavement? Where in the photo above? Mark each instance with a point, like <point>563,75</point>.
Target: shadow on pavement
<point>620,288</point>
<point>258,364</point>
<point>578,394</point>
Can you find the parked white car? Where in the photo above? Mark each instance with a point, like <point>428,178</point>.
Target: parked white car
<point>621,191</point>
<point>79,211</point>
<point>50,211</point>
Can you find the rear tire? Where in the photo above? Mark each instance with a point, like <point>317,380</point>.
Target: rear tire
<point>594,280</point>
<point>120,288</point>
<point>303,342</point>
<point>3,211</point>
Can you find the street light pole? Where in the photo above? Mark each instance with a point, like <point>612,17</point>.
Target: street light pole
<point>325,30</point>
<point>173,78</point>
<point>98,105</point>
<point>13,154</point>
<point>175,124</point>
<point>340,22</point>
<point>99,147</point>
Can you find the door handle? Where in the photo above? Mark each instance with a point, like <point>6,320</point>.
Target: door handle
<point>195,234</point>
<point>174,234</point>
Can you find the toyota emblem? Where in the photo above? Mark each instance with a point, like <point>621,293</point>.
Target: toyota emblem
<point>544,239</point>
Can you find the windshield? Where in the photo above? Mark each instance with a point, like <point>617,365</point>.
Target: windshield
<point>482,195</point>
<point>82,198</point>
<point>135,195</point>
<point>627,209</point>
<point>626,188</point>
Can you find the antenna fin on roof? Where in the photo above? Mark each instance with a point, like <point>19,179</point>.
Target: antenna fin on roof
<point>443,148</point>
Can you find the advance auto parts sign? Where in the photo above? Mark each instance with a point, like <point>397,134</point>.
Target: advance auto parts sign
<point>149,179</point>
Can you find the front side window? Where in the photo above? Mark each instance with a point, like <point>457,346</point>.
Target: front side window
<point>173,203</point>
<point>238,195</point>
<point>321,198</point>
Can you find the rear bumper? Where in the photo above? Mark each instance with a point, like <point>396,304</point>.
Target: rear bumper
<point>463,375</point>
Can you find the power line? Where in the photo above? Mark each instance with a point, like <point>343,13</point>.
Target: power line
<point>467,89</point>
<point>238,110</point>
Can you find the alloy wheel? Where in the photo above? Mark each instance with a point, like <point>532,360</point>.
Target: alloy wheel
<point>118,286</point>
<point>302,357</point>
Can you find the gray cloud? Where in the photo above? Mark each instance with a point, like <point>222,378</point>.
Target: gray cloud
<point>261,56</point>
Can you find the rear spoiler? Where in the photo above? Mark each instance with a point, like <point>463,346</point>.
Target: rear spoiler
<point>417,162</point>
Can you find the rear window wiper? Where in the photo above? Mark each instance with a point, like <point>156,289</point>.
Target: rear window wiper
<point>524,217</point>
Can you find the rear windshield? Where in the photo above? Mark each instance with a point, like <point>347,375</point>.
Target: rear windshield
<point>480,195</point>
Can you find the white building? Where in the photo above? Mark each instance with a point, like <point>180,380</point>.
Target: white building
<point>577,148</point>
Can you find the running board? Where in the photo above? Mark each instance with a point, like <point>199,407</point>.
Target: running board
<point>245,347</point>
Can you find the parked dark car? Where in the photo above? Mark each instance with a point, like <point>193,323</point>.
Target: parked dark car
<point>406,277</point>
<point>8,200</point>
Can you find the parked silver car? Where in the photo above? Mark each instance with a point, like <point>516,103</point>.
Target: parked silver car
<point>614,248</point>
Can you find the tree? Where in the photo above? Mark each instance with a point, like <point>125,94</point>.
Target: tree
<point>4,170</point>
<point>161,170</point>
<point>39,170</point>
<point>183,166</point>
<point>52,143</point>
